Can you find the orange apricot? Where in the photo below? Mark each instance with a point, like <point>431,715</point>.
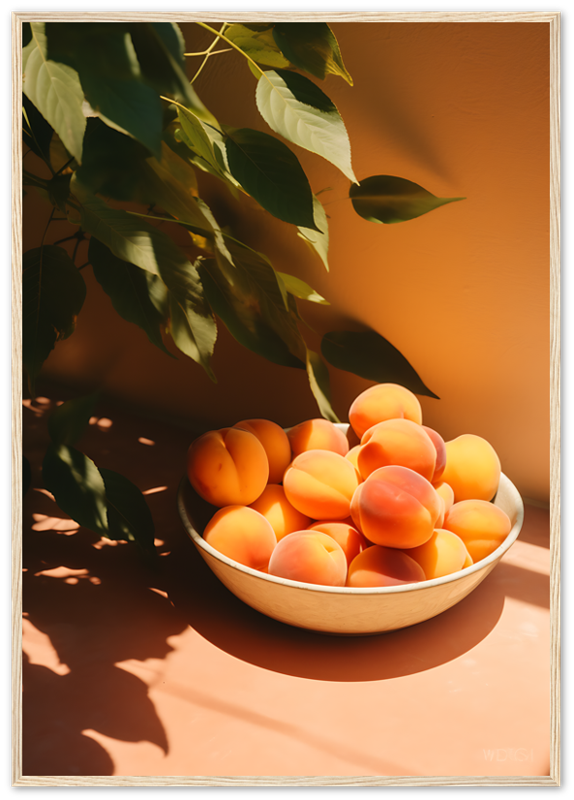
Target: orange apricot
<point>443,554</point>
<point>353,454</point>
<point>243,534</point>
<point>317,434</point>
<point>381,402</point>
<point>440,448</point>
<point>481,525</point>
<point>351,540</point>
<point>310,557</point>
<point>320,484</point>
<point>472,468</point>
<point>396,507</point>
<point>445,491</point>
<point>228,467</point>
<point>397,442</point>
<point>275,443</point>
<point>383,566</point>
<point>278,511</point>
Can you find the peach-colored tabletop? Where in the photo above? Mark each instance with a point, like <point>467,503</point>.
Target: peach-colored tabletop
<point>131,672</point>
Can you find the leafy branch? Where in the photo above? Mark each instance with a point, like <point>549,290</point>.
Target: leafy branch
<point>109,109</point>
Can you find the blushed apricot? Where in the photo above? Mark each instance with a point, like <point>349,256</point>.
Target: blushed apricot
<point>472,468</point>
<point>243,535</point>
<point>352,456</point>
<point>310,557</point>
<point>481,525</point>
<point>317,434</point>
<point>381,402</point>
<point>320,484</point>
<point>396,507</point>
<point>383,566</point>
<point>440,448</point>
<point>228,467</point>
<point>399,442</point>
<point>445,491</point>
<point>275,443</point>
<point>279,512</point>
<point>347,536</point>
<point>443,554</point>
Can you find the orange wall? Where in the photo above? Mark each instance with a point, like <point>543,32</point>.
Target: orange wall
<point>463,292</point>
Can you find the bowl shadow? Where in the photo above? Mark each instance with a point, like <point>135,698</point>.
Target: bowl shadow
<point>236,628</point>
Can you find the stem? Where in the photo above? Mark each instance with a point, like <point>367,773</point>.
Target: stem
<point>46,160</point>
<point>232,44</point>
<point>67,239</point>
<point>87,264</point>
<point>63,167</point>
<point>47,226</point>
<point>208,51</point>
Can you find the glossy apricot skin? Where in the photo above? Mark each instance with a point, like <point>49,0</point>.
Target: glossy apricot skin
<point>317,434</point>
<point>284,518</point>
<point>353,454</point>
<point>228,467</point>
<point>275,443</point>
<point>383,566</point>
<point>321,484</point>
<point>381,402</point>
<point>440,447</point>
<point>244,535</point>
<point>396,507</point>
<point>443,554</point>
<point>445,491</point>
<point>481,525</point>
<point>310,557</point>
<point>472,468</point>
<point>397,442</point>
<point>346,535</point>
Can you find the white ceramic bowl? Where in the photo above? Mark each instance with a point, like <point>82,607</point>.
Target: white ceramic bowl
<point>345,610</point>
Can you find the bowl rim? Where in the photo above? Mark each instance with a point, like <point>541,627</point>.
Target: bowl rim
<point>200,542</point>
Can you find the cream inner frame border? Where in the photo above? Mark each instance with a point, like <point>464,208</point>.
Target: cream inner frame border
<point>553,21</point>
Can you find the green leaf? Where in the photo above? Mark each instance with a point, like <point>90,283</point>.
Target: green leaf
<point>129,517</point>
<point>59,191</point>
<point>197,139</point>
<point>318,240</point>
<point>36,132</point>
<point>272,175</point>
<point>26,475</point>
<point>311,46</point>
<point>110,74</point>
<point>195,338</point>
<point>67,422</point>
<point>53,295</point>
<point>320,386</point>
<point>369,355</point>
<point>253,303</point>
<point>388,199</point>
<point>55,90</point>
<point>299,111</point>
<point>133,240</point>
<point>246,324</point>
<point>258,45</point>
<point>77,486</point>
<point>128,288</point>
<point>301,289</point>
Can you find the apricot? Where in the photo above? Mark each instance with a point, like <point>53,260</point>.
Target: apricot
<point>275,443</point>
<point>347,536</point>
<point>242,534</point>
<point>440,448</point>
<point>228,467</point>
<point>381,402</point>
<point>352,455</point>
<point>472,468</point>
<point>443,554</point>
<point>317,434</point>
<point>481,525</point>
<point>320,484</point>
<point>445,491</point>
<point>310,557</point>
<point>396,507</point>
<point>278,511</point>
<point>397,442</point>
<point>383,566</point>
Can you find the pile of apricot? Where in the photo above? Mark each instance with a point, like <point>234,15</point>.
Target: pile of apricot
<point>399,506</point>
